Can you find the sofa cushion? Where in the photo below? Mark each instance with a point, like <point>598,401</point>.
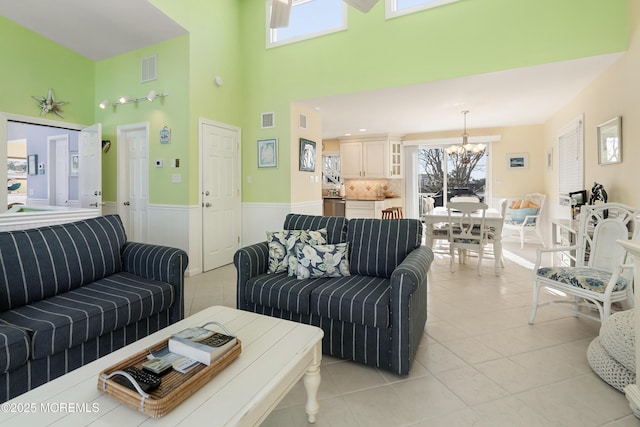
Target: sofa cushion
<point>322,260</point>
<point>71,318</point>
<point>336,225</point>
<point>14,348</point>
<point>363,300</point>
<point>281,291</point>
<point>282,245</point>
<point>39,263</point>
<point>378,246</point>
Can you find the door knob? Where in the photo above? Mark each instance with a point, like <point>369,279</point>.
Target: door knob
<point>94,205</point>
<point>206,193</point>
<point>207,205</point>
<point>126,203</point>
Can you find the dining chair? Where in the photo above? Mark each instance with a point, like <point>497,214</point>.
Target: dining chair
<point>601,275</point>
<point>467,231</point>
<point>470,199</point>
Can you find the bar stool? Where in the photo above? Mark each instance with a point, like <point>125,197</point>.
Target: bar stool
<point>392,213</point>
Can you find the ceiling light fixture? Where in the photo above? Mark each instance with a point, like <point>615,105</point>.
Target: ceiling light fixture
<point>151,96</point>
<point>466,149</point>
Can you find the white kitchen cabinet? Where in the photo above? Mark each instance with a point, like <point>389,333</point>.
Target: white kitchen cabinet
<point>369,208</point>
<point>371,158</point>
<point>351,160</point>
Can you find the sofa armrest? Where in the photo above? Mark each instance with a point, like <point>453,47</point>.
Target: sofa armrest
<point>250,261</point>
<point>160,263</point>
<point>409,306</point>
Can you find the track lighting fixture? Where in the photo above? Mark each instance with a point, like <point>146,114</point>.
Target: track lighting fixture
<point>152,95</point>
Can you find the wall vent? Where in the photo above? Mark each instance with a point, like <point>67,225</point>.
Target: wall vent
<point>148,68</point>
<point>302,121</point>
<point>268,120</point>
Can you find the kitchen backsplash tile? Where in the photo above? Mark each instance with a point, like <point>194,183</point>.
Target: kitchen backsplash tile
<point>368,189</point>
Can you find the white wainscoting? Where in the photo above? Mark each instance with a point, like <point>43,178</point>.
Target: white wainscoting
<point>258,218</point>
<point>176,226</point>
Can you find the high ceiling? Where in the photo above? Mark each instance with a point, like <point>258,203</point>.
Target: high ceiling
<point>100,29</point>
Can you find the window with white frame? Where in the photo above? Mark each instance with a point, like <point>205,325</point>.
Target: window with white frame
<point>308,19</point>
<point>403,7</point>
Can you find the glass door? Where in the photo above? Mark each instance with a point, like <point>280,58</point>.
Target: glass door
<point>443,176</point>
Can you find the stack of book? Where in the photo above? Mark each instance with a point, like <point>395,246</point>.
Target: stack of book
<point>188,348</point>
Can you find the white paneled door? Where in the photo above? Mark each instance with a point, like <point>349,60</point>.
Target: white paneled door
<point>220,174</point>
<point>90,167</point>
<point>133,180</point>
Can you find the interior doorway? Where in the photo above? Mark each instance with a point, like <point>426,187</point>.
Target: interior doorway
<point>133,179</point>
<point>58,173</point>
<point>220,193</point>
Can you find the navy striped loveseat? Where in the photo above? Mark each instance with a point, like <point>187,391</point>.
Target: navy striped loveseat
<point>375,316</point>
<point>72,293</point>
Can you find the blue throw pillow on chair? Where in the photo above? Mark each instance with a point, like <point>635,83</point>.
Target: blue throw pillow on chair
<point>518,215</point>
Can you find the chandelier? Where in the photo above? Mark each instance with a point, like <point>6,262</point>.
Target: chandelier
<point>465,150</point>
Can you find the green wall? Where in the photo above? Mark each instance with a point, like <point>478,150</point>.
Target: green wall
<point>31,64</point>
<point>227,38</point>
<point>214,50</point>
<point>459,39</point>
<point>120,75</point>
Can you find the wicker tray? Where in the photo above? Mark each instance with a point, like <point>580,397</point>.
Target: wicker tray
<point>175,386</point>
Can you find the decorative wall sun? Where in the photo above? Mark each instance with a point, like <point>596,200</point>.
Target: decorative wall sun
<point>49,104</point>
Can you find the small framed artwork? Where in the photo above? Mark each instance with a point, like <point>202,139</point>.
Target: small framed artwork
<point>610,142</point>
<point>32,164</point>
<point>307,155</point>
<point>550,159</point>
<point>268,153</point>
<point>518,161</point>
<point>74,163</point>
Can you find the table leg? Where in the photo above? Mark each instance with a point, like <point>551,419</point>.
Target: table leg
<point>497,252</point>
<point>428,235</point>
<point>311,382</point>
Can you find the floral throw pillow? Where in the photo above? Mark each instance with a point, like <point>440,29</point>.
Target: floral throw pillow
<point>322,260</point>
<point>282,244</point>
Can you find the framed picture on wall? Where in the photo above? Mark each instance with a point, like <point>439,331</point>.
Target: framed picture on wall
<point>32,164</point>
<point>74,163</point>
<point>518,161</point>
<point>268,153</point>
<point>307,155</point>
<point>610,142</point>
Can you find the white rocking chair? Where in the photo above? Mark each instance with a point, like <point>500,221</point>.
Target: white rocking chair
<point>600,276</point>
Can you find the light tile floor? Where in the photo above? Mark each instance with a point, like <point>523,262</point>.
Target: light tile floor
<point>479,363</point>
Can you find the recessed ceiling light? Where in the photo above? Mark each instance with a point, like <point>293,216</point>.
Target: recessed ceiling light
<point>347,134</point>
<point>363,130</point>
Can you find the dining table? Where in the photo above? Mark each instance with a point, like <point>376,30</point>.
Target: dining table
<point>438,218</point>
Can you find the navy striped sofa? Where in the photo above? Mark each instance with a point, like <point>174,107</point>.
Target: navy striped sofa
<point>375,316</point>
<point>72,293</point>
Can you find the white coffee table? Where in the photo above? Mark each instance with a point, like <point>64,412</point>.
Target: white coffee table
<point>275,355</point>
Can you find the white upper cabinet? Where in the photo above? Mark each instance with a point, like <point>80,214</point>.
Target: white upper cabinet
<point>371,158</point>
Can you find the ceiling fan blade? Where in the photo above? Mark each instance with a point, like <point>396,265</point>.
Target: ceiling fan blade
<point>362,5</point>
<point>280,13</point>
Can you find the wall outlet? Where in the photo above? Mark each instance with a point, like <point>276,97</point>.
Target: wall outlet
<point>176,177</point>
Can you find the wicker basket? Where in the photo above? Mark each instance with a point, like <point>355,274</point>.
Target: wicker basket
<point>175,386</point>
